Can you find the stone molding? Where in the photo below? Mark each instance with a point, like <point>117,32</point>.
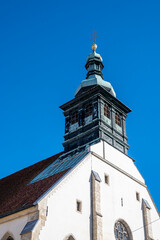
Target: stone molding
<point>96,209</point>
<point>127,227</point>
<point>118,169</point>
<point>41,216</point>
<point>18,214</point>
<point>147,221</point>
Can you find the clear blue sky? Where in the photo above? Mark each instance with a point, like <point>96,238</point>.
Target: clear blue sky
<point>43,50</point>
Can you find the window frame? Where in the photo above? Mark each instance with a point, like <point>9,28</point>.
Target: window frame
<point>74,118</point>
<point>89,110</point>
<point>138,196</point>
<point>79,206</point>
<point>107,111</point>
<point>118,119</point>
<point>106,179</point>
<point>124,229</point>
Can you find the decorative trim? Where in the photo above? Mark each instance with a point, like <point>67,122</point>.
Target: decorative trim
<point>118,169</point>
<point>18,214</point>
<point>127,227</point>
<point>97,233</point>
<point>147,221</point>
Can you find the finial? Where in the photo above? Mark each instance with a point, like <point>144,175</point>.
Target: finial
<point>94,47</point>
<point>93,37</point>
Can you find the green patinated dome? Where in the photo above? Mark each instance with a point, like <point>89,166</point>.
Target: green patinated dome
<point>94,76</point>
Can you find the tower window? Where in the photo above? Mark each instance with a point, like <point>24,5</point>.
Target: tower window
<point>74,117</point>
<point>137,196</point>
<point>118,119</point>
<point>89,110</point>
<point>106,111</point>
<point>79,206</point>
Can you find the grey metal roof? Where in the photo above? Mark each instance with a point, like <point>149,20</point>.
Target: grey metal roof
<point>146,204</point>
<point>29,227</point>
<point>96,175</point>
<point>96,80</point>
<point>60,164</point>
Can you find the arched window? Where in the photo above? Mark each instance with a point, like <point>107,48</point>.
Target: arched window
<point>118,119</point>
<point>107,111</point>
<point>122,231</point>
<point>71,238</point>
<point>7,236</point>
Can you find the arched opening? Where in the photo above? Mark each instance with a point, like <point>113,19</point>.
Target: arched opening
<point>122,230</point>
<point>8,236</point>
<point>69,237</point>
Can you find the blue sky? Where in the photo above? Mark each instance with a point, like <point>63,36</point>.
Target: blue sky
<point>43,50</point>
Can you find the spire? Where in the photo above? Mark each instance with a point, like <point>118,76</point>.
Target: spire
<point>94,114</point>
<point>94,76</point>
<point>94,63</point>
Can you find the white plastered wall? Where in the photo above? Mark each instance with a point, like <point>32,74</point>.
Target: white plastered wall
<point>63,219</point>
<point>117,158</point>
<point>121,186</point>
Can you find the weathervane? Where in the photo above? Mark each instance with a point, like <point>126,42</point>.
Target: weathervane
<point>93,37</point>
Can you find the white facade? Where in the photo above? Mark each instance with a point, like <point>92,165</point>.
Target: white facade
<point>116,200</point>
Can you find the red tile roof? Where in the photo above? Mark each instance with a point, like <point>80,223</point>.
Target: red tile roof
<point>15,192</point>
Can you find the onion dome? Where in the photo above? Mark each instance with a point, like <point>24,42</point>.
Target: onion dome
<point>94,76</point>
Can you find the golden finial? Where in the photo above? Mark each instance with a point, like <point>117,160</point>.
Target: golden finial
<point>94,46</point>
<point>93,37</point>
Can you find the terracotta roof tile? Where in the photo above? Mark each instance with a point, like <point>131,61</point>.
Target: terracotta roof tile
<point>17,194</point>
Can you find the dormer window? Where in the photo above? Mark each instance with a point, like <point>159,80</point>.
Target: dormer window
<point>118,119</point>
<point>74,117</point>
<point>88,110</point>
<point>107,111</point>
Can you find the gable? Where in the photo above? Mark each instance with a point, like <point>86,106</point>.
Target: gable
<point>16,194</point>
<point>24,188</point>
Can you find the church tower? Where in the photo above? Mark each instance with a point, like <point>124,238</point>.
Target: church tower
<point>92,190</point>
<point>95,113</point>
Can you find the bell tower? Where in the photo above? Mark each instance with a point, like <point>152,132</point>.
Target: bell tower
<point>95,113</point>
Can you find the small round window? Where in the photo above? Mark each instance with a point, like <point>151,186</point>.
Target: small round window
<point>121,232</point>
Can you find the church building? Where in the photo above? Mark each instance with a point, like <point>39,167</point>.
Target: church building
<point>90,191</point>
